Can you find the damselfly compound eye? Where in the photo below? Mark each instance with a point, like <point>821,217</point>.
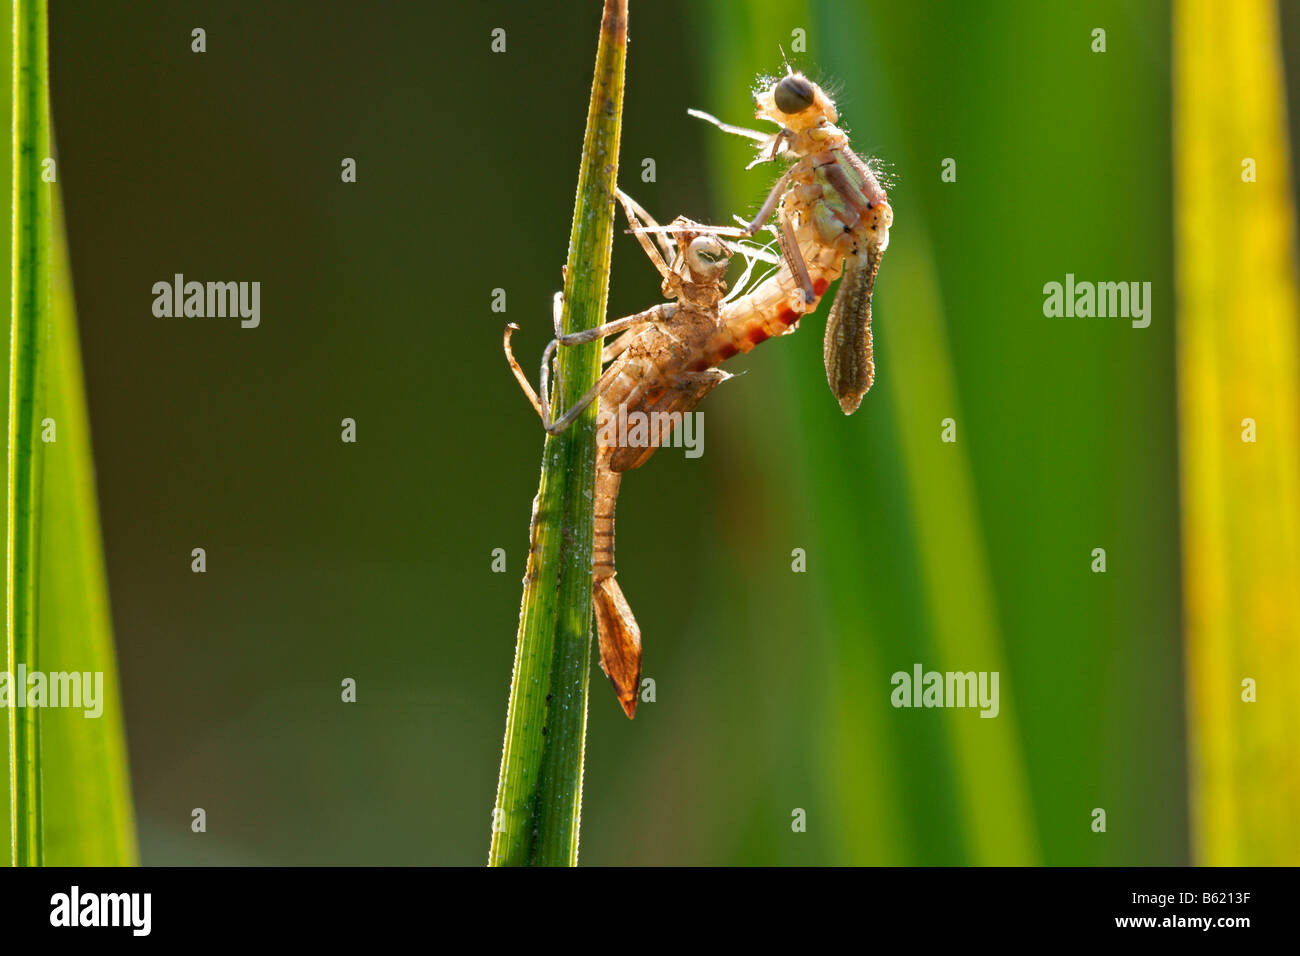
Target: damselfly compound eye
<point>793,95</point>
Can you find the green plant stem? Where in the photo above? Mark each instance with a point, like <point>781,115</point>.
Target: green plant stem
<point>539,796</point>
<point>28,318</point>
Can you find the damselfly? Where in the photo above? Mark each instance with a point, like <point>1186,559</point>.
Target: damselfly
<point>833,216</point>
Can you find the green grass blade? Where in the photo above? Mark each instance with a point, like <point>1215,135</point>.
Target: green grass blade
<point>539,796</point>
<point>88,817</point>
<point>68,795</point>
<point>986,758</point>
<point>30,296</point>
<point>940,551</point>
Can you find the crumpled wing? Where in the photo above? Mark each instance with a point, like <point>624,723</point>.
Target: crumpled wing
<point>850,368</point>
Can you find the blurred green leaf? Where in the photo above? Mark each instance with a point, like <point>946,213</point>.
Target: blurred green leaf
<point>88,815</point>
<point>974,555</point>
<point>69,789</point>
<point>1239,373</point>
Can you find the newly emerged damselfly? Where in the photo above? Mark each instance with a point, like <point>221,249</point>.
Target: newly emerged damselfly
<point>833,216</point>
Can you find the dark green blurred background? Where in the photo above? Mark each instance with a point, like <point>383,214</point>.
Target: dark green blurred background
<point>372,561</point>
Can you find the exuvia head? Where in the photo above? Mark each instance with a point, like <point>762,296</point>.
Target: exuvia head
<point>795,102</point>
<point>707,258</point>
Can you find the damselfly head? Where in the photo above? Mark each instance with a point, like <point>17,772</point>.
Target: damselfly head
<point>795,102</point>
<point>793,94</point>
